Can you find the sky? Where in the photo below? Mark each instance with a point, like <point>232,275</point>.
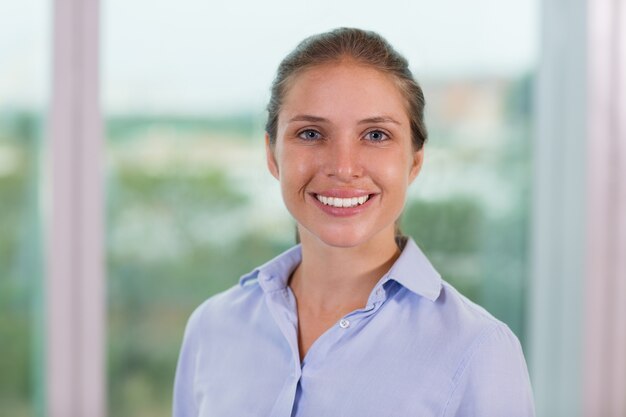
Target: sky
<point>199,55</point>
<point>24,53</point>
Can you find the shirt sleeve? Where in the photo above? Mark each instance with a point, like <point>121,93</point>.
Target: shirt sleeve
<point>493,381</point>
<point>184,401</point>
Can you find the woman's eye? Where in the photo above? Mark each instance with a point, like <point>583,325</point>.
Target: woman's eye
<point>310,135</point>
<point>377,136</point>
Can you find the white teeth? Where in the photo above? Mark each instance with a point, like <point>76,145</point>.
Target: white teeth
<point>342,202</point>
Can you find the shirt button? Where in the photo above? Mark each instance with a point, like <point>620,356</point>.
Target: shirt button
<point>344,324</point>
<point>379,291</point>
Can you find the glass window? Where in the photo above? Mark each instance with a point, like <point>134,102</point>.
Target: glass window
<point>191,206</point>
<point>24,70</point>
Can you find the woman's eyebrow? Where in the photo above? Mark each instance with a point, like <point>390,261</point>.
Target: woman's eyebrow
<point>316,119</point>
<point>307,118</point>
<point>379,119</point>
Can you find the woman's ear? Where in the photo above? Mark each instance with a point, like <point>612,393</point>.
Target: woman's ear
<point>416,166</point>
<point>270,157</point>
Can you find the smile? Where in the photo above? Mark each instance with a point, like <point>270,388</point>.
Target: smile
<point>342,202</point>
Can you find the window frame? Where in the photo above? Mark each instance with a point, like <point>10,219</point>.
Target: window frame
<point>577,303</point>
<point>75,291</point>
<point>577,231</point>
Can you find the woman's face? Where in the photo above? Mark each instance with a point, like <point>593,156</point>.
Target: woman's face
<point>343,154</point>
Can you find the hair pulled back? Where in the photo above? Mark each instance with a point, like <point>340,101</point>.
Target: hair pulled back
<point>364,47</point>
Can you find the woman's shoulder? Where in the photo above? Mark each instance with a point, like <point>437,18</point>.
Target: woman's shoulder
<point>465,311</point>
<point>449,321</point>
<point>232,301</point>
<point>473,339</point>
<point>467,324</point>
<point>245,299</point>
<point>490,374</point>
<point>437,302</point>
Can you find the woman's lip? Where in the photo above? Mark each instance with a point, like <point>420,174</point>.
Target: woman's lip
<point>343,211</point>
<point>343,193</point>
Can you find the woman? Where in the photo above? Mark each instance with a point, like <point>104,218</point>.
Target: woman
<point>354,321</point>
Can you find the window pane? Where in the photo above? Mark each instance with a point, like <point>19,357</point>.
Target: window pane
<point>470,208</point>
<point>23,92</point>
<point>191,206</point>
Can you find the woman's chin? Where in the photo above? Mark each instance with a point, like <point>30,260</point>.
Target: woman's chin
<point>342,242</point>
<point>333,238</point>
<point>339,237</point>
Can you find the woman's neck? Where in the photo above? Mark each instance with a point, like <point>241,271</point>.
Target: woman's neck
<point>332,280</point>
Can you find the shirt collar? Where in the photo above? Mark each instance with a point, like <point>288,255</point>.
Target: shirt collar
<point>412,270</point>
<point>273,275</point>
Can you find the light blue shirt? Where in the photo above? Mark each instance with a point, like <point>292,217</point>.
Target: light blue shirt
<point>418,348</point>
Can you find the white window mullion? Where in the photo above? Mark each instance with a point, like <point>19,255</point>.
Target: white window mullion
<point>605,305</point>
<point>75,288</point>
<point>558,214</point>
<point>578,298</point>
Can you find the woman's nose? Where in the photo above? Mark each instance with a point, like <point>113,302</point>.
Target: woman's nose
<point>343,159</point>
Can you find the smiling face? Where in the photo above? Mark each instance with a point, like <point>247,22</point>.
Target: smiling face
<point>343,154</point>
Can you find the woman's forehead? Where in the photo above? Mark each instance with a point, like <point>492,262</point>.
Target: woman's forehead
<point>344,90</point>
